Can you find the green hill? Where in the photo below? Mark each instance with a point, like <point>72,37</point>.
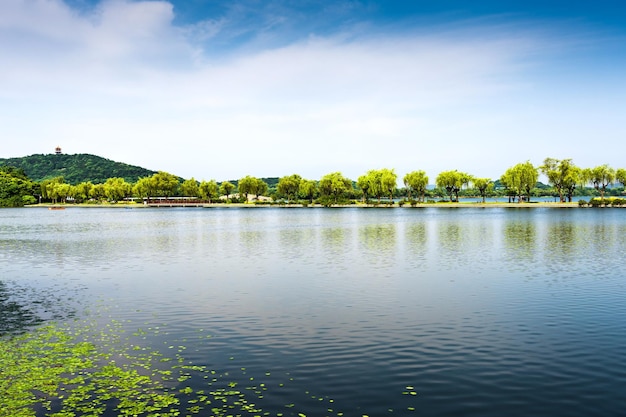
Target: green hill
<point>75,168</point>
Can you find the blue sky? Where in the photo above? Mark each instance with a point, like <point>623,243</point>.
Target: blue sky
<point>223,89</point>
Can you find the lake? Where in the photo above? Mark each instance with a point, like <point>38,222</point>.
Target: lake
<point>349,311</point>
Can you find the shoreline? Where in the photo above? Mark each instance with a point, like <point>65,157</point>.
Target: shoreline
<point>357,205</point>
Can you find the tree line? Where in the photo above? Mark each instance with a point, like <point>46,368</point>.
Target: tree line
<point>518,183</point>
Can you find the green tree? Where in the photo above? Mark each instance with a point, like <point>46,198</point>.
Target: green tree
<point>116,189</point>
<point>289,186</point>
<point>226,188</point>
<point>335,186</point>
<point>97,192</point>
<point>363,182</point>
<point>378,182</point>
<point>452,182</point>
<point>145,187</point>
<point>388,182</point>
<point>416,181</point>
<point>562,174</point>
<point>62,191</point>
<point>374,176</point>
<point>248,185</point>
<point>166,184</point>
<point>484,186</point>
<point>49,189</point>
<point>208,190</point>
<point>601,177</point>
<point>521,179</point>
<point>190,188</point>
<point>16,189</point>
<point>83,191</point>
<point>620,176</point>
<point>571,181</point>
<point>308,189</point>
<point>260,188</point>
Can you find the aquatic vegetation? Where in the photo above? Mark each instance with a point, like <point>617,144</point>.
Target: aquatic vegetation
<point>94,370</point>
<point>62,371</point>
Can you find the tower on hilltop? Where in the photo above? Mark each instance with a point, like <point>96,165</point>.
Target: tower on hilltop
<point>57,150</point>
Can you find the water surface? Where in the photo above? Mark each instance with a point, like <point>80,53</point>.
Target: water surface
<point>481,311</point>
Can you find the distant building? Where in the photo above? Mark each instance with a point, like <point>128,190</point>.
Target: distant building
<point>57,150</point>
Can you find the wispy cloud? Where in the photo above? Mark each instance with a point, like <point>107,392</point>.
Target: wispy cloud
<point>124,81</point>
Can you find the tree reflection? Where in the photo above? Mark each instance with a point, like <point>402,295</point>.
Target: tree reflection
<point>450,239</point>
<point>520,240</point>
<point>417,239</point>
<point>561,241</point>
<point>462,243</point>
<point>380,243</point>
<point>334,237</point>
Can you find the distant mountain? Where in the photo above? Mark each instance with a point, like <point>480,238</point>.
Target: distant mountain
<point>75,168</point>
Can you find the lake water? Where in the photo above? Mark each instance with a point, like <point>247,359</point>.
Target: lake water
<point>426,312</point>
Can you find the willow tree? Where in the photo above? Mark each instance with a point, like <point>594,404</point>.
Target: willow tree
<point>601,177</point>
<point>363,182</point>
<point>145,187</point>
<point>571,181</point>
<point>190,188</point>
<point>97,192</point>
<point>289,186</point>
<point>116,189</point>
<point>334,185</point>
<point>388,182</point>
<point>378,182</point>
<point>165,184</point>
<point>562,174</point>
<point>260,188</point>
<point>483,185</point>
<point>83,190</point>
<point>308,189</point>
<point>452,182</point>
<point>620,176</point>
<point>521,179</point>
<point>49,189</point>
<point>416,181</point>
<point>247,185</point>
<point>226,188</point>
<point>208,190</point>
<point>374,177</point>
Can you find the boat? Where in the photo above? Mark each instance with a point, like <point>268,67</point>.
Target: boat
<point>56,208</point>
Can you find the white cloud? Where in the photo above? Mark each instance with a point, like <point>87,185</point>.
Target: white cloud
<point>122,81</point>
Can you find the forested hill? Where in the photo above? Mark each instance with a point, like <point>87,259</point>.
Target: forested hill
<point>75,168</point>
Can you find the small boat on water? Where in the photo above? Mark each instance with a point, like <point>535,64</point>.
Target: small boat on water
<point>56,208</point>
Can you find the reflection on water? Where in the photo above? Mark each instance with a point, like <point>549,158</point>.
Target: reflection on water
<point>334,238</point>
<point>520,240</point>
<point>452,238</point>
<point>15,317</point>
<point>378,245</point>
<point>484,312</point>
<point>417,238</point>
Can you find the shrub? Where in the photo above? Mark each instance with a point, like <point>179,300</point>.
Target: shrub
<point>28,199</point>
<point>596,202</point>
<point>325,201</point>
<point>582,203</point>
